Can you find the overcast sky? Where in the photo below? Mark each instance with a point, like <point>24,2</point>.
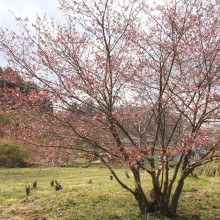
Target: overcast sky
<point>27,8</point>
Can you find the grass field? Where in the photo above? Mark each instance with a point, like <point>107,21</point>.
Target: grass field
<point>102,199</point>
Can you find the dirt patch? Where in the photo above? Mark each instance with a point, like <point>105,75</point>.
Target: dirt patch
<point>25,212</point>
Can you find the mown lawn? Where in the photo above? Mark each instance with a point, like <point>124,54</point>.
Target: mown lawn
<point>102,199</point>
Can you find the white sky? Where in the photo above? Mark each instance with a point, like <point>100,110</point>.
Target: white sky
<point>30,9</point>
<point>25,8</point>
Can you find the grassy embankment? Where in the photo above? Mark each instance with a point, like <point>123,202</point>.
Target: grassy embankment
<point>102,199</point>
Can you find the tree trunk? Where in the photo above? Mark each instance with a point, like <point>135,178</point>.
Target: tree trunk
<point>175,198</point>
<point>144,205</point>
<point>163,207</point>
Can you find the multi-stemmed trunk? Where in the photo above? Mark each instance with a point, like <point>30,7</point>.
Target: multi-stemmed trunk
<point>163,202</point>
<point>149,206</point>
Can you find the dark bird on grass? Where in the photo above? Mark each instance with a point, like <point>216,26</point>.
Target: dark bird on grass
<point>27,189</point>
<point>35,184</point>
<point>90,181</point>
<point>127,175</point>
<point>58,186</point>
<point>111,177</point>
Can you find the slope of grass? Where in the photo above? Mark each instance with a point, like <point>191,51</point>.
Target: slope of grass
<point>99,200</point>
<point>210,169</point>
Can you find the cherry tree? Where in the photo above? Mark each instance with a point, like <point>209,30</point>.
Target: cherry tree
<point>132,83</point>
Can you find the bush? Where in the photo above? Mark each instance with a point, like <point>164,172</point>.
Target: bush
<point>13,155</point>
<point>4,120</point>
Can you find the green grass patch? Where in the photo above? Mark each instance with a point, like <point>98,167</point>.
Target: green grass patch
<point>102,199</point>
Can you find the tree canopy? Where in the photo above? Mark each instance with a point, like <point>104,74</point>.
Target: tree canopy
<point>129,81</point>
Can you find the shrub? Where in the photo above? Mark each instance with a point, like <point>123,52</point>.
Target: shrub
<point>13,155</point>
<point>4,120</point>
